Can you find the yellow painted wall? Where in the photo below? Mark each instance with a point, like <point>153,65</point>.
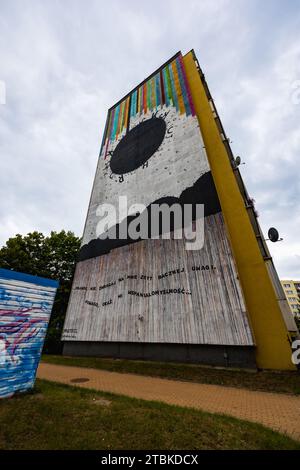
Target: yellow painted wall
<point>270,333</point>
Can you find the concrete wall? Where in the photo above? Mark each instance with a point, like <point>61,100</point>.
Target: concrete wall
<point>223,356</point>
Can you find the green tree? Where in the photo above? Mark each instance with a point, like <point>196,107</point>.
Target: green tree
<point>53,257</point>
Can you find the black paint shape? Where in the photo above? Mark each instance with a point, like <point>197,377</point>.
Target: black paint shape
<point>138,146</point>
<point>202,192</point>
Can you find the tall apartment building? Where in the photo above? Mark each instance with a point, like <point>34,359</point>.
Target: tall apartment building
<point>292,292</point>
<point>149,297</point>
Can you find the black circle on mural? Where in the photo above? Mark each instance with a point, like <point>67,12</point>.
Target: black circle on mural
<point>138,145</point>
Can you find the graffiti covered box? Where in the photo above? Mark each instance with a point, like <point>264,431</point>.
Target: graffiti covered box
<point>25,307</point>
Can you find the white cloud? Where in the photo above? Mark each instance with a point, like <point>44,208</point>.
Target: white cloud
<point>65,63</point>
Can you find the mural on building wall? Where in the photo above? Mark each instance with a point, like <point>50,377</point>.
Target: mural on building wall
<point>25,306</point>
<point>152,151</point>
<point>154,290</point>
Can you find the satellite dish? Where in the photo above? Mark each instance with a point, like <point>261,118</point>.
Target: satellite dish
<point>273,235</point>
<point>238,161</point>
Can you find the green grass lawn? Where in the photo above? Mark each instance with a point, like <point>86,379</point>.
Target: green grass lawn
<point>56,416</point>
<point>269,381</point>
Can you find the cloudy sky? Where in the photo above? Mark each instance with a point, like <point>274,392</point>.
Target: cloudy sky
<point>65,62</point>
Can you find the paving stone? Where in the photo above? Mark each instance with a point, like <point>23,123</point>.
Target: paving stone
<point>280,412</point>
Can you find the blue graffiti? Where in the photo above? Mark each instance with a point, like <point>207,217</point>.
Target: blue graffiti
<point>24,319</point>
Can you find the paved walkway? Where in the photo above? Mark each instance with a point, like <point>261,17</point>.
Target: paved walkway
<point>277,411</point>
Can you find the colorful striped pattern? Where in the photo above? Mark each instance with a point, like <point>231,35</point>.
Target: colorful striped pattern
<point>169,86</point>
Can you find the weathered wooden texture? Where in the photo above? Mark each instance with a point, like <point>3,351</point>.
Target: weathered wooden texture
<point>25,306</point>
<point>120,296</point>
<point>206,307</point>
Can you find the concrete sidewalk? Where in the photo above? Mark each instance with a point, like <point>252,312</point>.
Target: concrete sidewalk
<point>277,411</point>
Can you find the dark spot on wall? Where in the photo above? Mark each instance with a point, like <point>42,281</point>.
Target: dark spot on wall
<point>138,146</point>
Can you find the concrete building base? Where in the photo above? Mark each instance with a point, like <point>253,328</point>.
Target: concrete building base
<point>215,355</point>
